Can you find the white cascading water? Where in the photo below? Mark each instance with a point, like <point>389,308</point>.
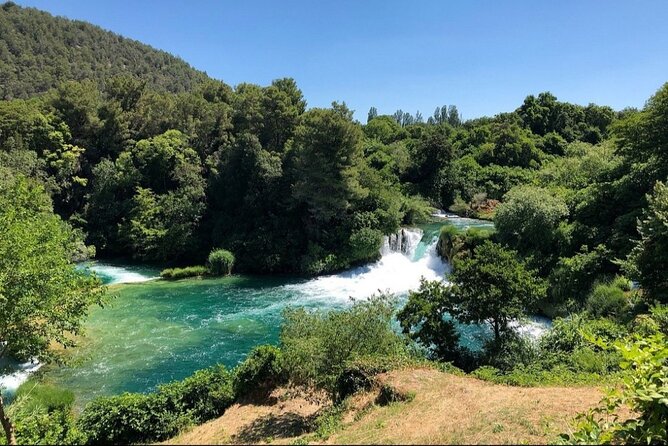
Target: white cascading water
<point>20,373</point>
<point>396,272</point>
<point>117,274</point>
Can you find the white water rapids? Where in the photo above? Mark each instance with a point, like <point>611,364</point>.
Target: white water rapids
<point>397,271</point>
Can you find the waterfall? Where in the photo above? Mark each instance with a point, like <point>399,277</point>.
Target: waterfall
<point>397,271</point>
<point>404,241</point>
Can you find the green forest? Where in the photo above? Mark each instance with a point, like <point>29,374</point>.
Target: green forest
<point>111,149</point>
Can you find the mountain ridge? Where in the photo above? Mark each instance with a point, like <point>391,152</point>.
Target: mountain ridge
<point>38,51</point>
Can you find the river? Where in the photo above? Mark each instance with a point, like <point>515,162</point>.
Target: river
<point>154,331</point>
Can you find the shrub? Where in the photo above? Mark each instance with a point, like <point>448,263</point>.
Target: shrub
<point>143,418</point>
<point>359,374</point>
<point>42,414</point>
<point>660,316</point>
<point>130,418</point>
<point>204,395</point>
<point>588,360</point>
<point>449,243</point>
<point>622,283</point>
<point>261,372</point>
<point>317,345</point>
<point>183,273</point>
<point>509,351</point>
<point>568,334</point>
<point>220,262</point>
<point>645,393</point>
<point>50,397</point>
<point>607,300</point>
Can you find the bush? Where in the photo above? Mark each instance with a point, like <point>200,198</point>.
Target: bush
<point>143,418</point>
<point>130,418</point>
<point>183,273</point>
<point>220,262</point>
<point>588,360</point>
<point>204,395</point>
<point>509,351</point>
<point>359,374</point>
<point>317,345</point>
<point>622,283</point>
<point>568,334</point>
<point>261,372</point>
<point>450,241</point>
<point>644,394</point>
<point>607,300</point>
<point>42,414</point>
<point>50,397</point>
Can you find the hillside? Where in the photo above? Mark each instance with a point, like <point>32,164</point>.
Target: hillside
<point>38,51</point>
<point>446,409</point>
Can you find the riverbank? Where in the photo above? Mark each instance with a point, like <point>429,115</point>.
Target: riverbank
<point>441,408</point>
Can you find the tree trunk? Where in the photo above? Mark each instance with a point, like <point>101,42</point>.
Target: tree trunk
<point>7,424</point>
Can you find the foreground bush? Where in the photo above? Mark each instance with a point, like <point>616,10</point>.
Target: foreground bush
<point>43,415</point>
<point>607,300</point>
<point>183,273</point>
<point>359,374</point>
<point>130,418</point>
<point>203,395</point>
<point>142,418</point>
<point>317,345</point>
<point>261,372</point>
<point>220,262</point>
<point>645,393</point>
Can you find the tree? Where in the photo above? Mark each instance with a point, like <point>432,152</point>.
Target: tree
<point>168,201</point>
<point>645,134</point>
<point>327,151</point>
<point>373,113</point>
<point>648,261</point>
<point>283,105</point>
<point>494,287</point>
<point>427,319</point>
<point>529,219</point>
<point>385,129</point>
<point>43,297</point>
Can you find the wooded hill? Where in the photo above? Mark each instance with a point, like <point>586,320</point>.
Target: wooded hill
<point>39,51</point>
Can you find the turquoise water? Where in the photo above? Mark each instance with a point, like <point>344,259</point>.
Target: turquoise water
<point>156,331</point>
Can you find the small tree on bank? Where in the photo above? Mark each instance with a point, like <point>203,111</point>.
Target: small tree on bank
<point>494,287</point>
<point>491,286</point>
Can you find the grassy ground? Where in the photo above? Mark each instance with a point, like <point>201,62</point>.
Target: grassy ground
<point>445,409</point>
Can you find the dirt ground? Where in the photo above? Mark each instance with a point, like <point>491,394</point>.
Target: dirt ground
<point>446,409</point>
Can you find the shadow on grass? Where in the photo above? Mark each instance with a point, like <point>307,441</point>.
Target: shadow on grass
<point>285,425</point>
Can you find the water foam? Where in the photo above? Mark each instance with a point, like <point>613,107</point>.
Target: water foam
<point>395,272</point>
<point>20,373</point>
<point>113,274</point>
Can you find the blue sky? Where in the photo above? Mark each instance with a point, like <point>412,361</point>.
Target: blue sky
<point>484,56</point>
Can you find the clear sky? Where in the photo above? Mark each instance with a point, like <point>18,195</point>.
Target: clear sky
<point>484,56</point>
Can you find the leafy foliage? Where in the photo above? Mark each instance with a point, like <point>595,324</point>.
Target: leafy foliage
<point>317,345</point>
<point>645,393</point>
<point>494,287</point>
<point>141,418</point>
<point>426,318</point>
<point>43,414</point>
<point>261,371</point>
<point>220,262</point>
<point>648,260</point>
<point>184,273</point>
